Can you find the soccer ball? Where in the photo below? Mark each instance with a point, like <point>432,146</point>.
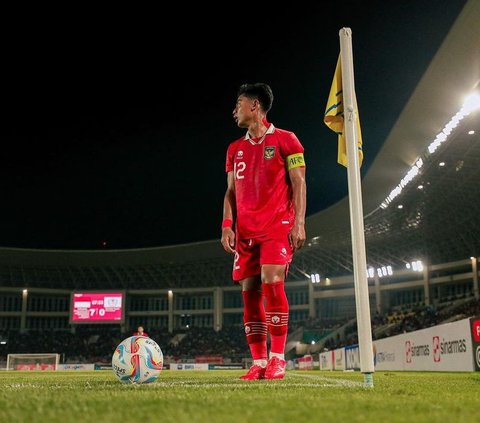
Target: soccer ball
<point>137,359</point>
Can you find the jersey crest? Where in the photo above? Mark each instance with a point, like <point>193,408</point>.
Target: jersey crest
<point>269,153</point>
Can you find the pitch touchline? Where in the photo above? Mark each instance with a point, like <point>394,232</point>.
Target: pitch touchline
<point>240,385</point>
<point>337,382</point>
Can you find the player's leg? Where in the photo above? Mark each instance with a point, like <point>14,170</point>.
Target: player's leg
<point>276,256</point>
<point>255,325</point>
<point>247,273</point>
<point>276,311</point>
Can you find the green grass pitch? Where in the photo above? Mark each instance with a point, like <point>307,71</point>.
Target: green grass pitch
<point>219,396</point>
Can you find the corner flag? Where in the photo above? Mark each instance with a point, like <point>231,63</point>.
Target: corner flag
<point>334,117</point>
<point>341,116</point>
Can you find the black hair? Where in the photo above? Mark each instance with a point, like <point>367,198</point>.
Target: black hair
<point>259,91</point>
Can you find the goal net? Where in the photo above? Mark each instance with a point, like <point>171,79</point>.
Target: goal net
<point>33,361</point>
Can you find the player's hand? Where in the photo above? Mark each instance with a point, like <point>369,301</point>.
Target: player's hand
<point>228,240</point>
<point>297,236</point>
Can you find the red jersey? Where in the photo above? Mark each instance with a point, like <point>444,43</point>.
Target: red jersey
<point>263,191</point>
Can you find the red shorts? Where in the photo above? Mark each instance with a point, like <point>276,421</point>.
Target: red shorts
<point>251,254</point>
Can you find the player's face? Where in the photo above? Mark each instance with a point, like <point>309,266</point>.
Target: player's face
<point>242,113</point>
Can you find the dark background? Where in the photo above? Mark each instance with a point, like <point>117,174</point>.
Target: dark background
<point>116,122</point>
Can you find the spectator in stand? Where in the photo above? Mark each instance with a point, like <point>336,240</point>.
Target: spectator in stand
<point>140,332</point>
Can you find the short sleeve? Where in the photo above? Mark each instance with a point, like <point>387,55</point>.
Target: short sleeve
<point>290,144</point>
<point>229,158</point>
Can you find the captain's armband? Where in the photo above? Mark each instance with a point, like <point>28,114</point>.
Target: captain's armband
<point>295,160</point>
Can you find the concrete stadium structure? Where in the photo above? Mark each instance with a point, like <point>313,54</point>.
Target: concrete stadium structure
<point>420,204</point>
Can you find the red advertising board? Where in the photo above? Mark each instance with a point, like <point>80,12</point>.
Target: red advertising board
<point>37,366</point>
<point>475,325</point>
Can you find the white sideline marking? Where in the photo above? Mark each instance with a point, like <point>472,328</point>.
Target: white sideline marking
<point>335,382</point>
<point>240,385</point>
<point>315,382</point>
<point>21,385</point>
<point>321,381</point>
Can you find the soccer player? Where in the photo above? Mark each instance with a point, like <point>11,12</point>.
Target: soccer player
<point>140,332</point>
<point>263,224</point>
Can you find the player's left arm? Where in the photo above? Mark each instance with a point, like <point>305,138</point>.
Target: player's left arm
<point>296,173</point>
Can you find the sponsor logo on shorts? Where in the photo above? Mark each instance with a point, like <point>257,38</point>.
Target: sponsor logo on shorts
<point>283,251</point>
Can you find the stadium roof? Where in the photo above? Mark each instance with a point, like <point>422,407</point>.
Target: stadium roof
<point>437,223</point>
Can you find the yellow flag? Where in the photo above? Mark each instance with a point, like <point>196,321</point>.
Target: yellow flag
<point>334,117</point>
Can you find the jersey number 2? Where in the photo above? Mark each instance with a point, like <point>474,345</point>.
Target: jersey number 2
<point>238,169</point>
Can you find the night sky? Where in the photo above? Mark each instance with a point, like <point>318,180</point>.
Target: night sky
<point>116,123</point>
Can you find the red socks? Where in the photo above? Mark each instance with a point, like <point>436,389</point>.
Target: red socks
<point>254,323</point>
<point>276,315</point>
<point>256,317</point>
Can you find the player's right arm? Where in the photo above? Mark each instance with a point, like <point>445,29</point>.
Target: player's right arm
<point>228,236</point>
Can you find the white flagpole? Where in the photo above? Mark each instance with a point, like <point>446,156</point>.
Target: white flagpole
<point>356,210</point>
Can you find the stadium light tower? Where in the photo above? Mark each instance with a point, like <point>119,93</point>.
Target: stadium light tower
<point>23,317</point>
<point>472,102</point>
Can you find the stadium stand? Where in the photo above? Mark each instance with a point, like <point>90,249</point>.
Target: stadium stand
<point>422,232</point>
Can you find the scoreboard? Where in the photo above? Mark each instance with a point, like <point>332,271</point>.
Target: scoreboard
<point>97,307</point>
